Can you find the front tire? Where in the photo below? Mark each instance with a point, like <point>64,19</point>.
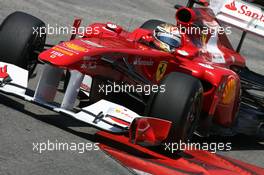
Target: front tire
<point>19,41</point>
<point>181,104</point>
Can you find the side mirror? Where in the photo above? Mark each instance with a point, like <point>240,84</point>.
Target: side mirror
<point>76,25</point>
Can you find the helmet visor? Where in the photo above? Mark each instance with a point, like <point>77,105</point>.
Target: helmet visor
<point>169,39</point>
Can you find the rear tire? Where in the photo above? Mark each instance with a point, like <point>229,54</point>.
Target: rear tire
<point>181,104</point>
<point>19,42</point>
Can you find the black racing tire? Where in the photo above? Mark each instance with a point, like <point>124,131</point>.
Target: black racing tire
<point>151,24</point>
<point>19,41</point>
<point>181,104</point>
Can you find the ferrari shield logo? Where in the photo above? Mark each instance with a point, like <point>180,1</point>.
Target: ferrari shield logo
<point>162,67</point>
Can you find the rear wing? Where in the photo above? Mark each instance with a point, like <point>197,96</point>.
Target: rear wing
<point>247,15</point>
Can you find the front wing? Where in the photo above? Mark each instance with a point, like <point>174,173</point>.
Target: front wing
<point>103,114</point>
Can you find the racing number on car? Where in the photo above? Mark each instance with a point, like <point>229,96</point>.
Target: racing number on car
<point>162,67</point>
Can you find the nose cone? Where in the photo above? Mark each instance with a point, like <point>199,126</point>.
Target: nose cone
<point>64,54</point>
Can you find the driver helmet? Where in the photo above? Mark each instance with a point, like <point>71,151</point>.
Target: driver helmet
<point>167,37</point>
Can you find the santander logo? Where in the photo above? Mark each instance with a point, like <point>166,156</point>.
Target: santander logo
<point>231,6</point>
<point>245,10</point>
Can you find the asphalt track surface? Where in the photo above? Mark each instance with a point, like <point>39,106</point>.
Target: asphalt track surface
<point>22,124</point>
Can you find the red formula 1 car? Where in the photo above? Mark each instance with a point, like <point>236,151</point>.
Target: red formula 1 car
<point>156,83</point>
